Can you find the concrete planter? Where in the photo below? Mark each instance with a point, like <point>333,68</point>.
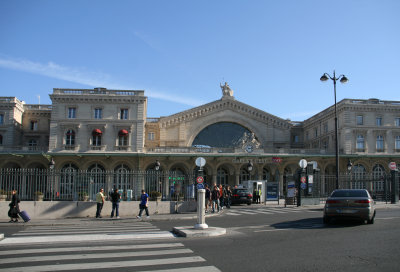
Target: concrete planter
<point>3,197</point>
<point>38,197</point>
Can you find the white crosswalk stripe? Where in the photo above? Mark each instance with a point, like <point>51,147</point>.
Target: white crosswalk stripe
<point>135,256</point>
<point>89,232</point>
<point>254,211</point>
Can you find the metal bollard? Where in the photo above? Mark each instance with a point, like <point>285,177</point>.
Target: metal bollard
<point>201,213</point>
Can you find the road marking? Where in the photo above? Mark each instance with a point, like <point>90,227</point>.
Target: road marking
<point>88,256</point>
<point>75,249</point>
<point>88,237</point>
<point>58,232</point>
<point>104,265</point>
<point>271,230</point>
<point>191,269</point>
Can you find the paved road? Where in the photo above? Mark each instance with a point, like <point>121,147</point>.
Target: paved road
<point>259,238</point>
<point>123,247</point>
<point>295,239</point>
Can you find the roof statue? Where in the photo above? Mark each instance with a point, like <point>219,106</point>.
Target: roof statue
<point>226,90</point>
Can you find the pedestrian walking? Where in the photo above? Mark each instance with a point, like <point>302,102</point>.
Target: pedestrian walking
<point>100,202</point>
<point>215,198</point>
<point>228,196</point>
<point>207,198</point>
<point>221,196</point>
<point>144,203</point>
<point>14,207</point>
<point>115,199</point>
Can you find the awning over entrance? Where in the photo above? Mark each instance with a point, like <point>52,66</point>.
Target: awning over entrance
<point>97,132</point>
<point>123,132</point>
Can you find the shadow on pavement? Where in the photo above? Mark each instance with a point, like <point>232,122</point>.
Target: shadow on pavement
<point>316,223</point>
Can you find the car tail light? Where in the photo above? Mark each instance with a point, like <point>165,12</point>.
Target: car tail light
<point>235,195</point>
<point>331,201</point>
<point>250,195</point>
<point>365,201</point>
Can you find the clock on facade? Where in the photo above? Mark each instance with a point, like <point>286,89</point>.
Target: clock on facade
<point>249,148</point>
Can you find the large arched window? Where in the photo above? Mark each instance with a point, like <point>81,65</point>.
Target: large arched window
<point>359,174</point>
<point>378,173</point>
<point>222,134</point>
<point>177,182</point>
<point>70,138</point>
<point>97,179</point>
<point>266,174</point>
<point>222,176</point>
<point>122,178</point>
<point>244,174</point>
<point>68,180</point>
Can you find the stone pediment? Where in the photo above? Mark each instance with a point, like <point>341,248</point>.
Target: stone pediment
<point>224,105</point>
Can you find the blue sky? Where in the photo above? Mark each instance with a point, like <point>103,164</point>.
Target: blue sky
<point>272,53</point>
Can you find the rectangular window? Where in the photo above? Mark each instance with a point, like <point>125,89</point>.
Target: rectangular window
<point>123,114</point>
<point>34,125</point>
<point>1,119</point>
<point>326,127</point>
<point>98,113</point>
<point>360,142</point>
<point>71,113</point>
<point>378,121</point>
<point>397,143</point>
<point>122,140</point>
<point>379,143</point>
<point>151,136</point>
<point>96,140</point>
<point>316,132</point>
<point>295,138</point>
<point>360,120</point>
<point>307,136</point>
<point>397,121</point>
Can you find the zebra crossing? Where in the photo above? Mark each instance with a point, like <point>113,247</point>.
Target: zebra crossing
<point>263,210</point>
<point>132,246</point>
<point>89,232</point>
<point>160,257</point>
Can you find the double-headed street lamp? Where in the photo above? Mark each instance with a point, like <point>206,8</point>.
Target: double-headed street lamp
<point>343,79</point>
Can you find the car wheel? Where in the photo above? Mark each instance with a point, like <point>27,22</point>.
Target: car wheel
<point>249,203</point>
<point>372,219</point>
<point>326,220</point>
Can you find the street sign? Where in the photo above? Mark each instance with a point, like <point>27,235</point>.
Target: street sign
<point>200,186</point>
<point>392,166</point>
<point>303,179</point>
<point>303,186</point>
<point>276,159</point>
<point>303,163</point>
<point>200,162</point>
<point>200,180</point>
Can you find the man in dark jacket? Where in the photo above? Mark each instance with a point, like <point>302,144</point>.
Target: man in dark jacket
<point>115,199</point>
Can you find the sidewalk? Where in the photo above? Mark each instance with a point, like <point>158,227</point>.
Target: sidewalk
<point>164,217</point>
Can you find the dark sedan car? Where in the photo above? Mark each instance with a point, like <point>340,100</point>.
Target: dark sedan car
<point>350,203</point>
<point>241,196</point>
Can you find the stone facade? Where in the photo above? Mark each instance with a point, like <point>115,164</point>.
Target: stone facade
<point>109,129</point>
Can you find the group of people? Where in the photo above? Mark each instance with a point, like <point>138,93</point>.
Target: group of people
<point>217,197</point>
<point>115,198</point>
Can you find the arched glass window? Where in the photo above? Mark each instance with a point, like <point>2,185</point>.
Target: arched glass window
<point>69,178</point>
<point>122,179</point>
<point>222,176</point>
<point>359,173</point>
<point>97,179</point>
<point>360,142</point>
<point>379,143</point>
<point>244,174</point>
<point>266,174</point>
<point>177,182</point>
<point>70,138</point>
<point>378,174</point>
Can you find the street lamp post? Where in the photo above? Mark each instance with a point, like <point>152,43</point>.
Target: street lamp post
<point>343,79</point>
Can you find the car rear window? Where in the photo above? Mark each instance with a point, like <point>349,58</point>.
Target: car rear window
<point>350,193</point>
<point>240,191</point>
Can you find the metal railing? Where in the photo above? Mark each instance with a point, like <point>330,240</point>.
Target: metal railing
<point>32,184</point>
